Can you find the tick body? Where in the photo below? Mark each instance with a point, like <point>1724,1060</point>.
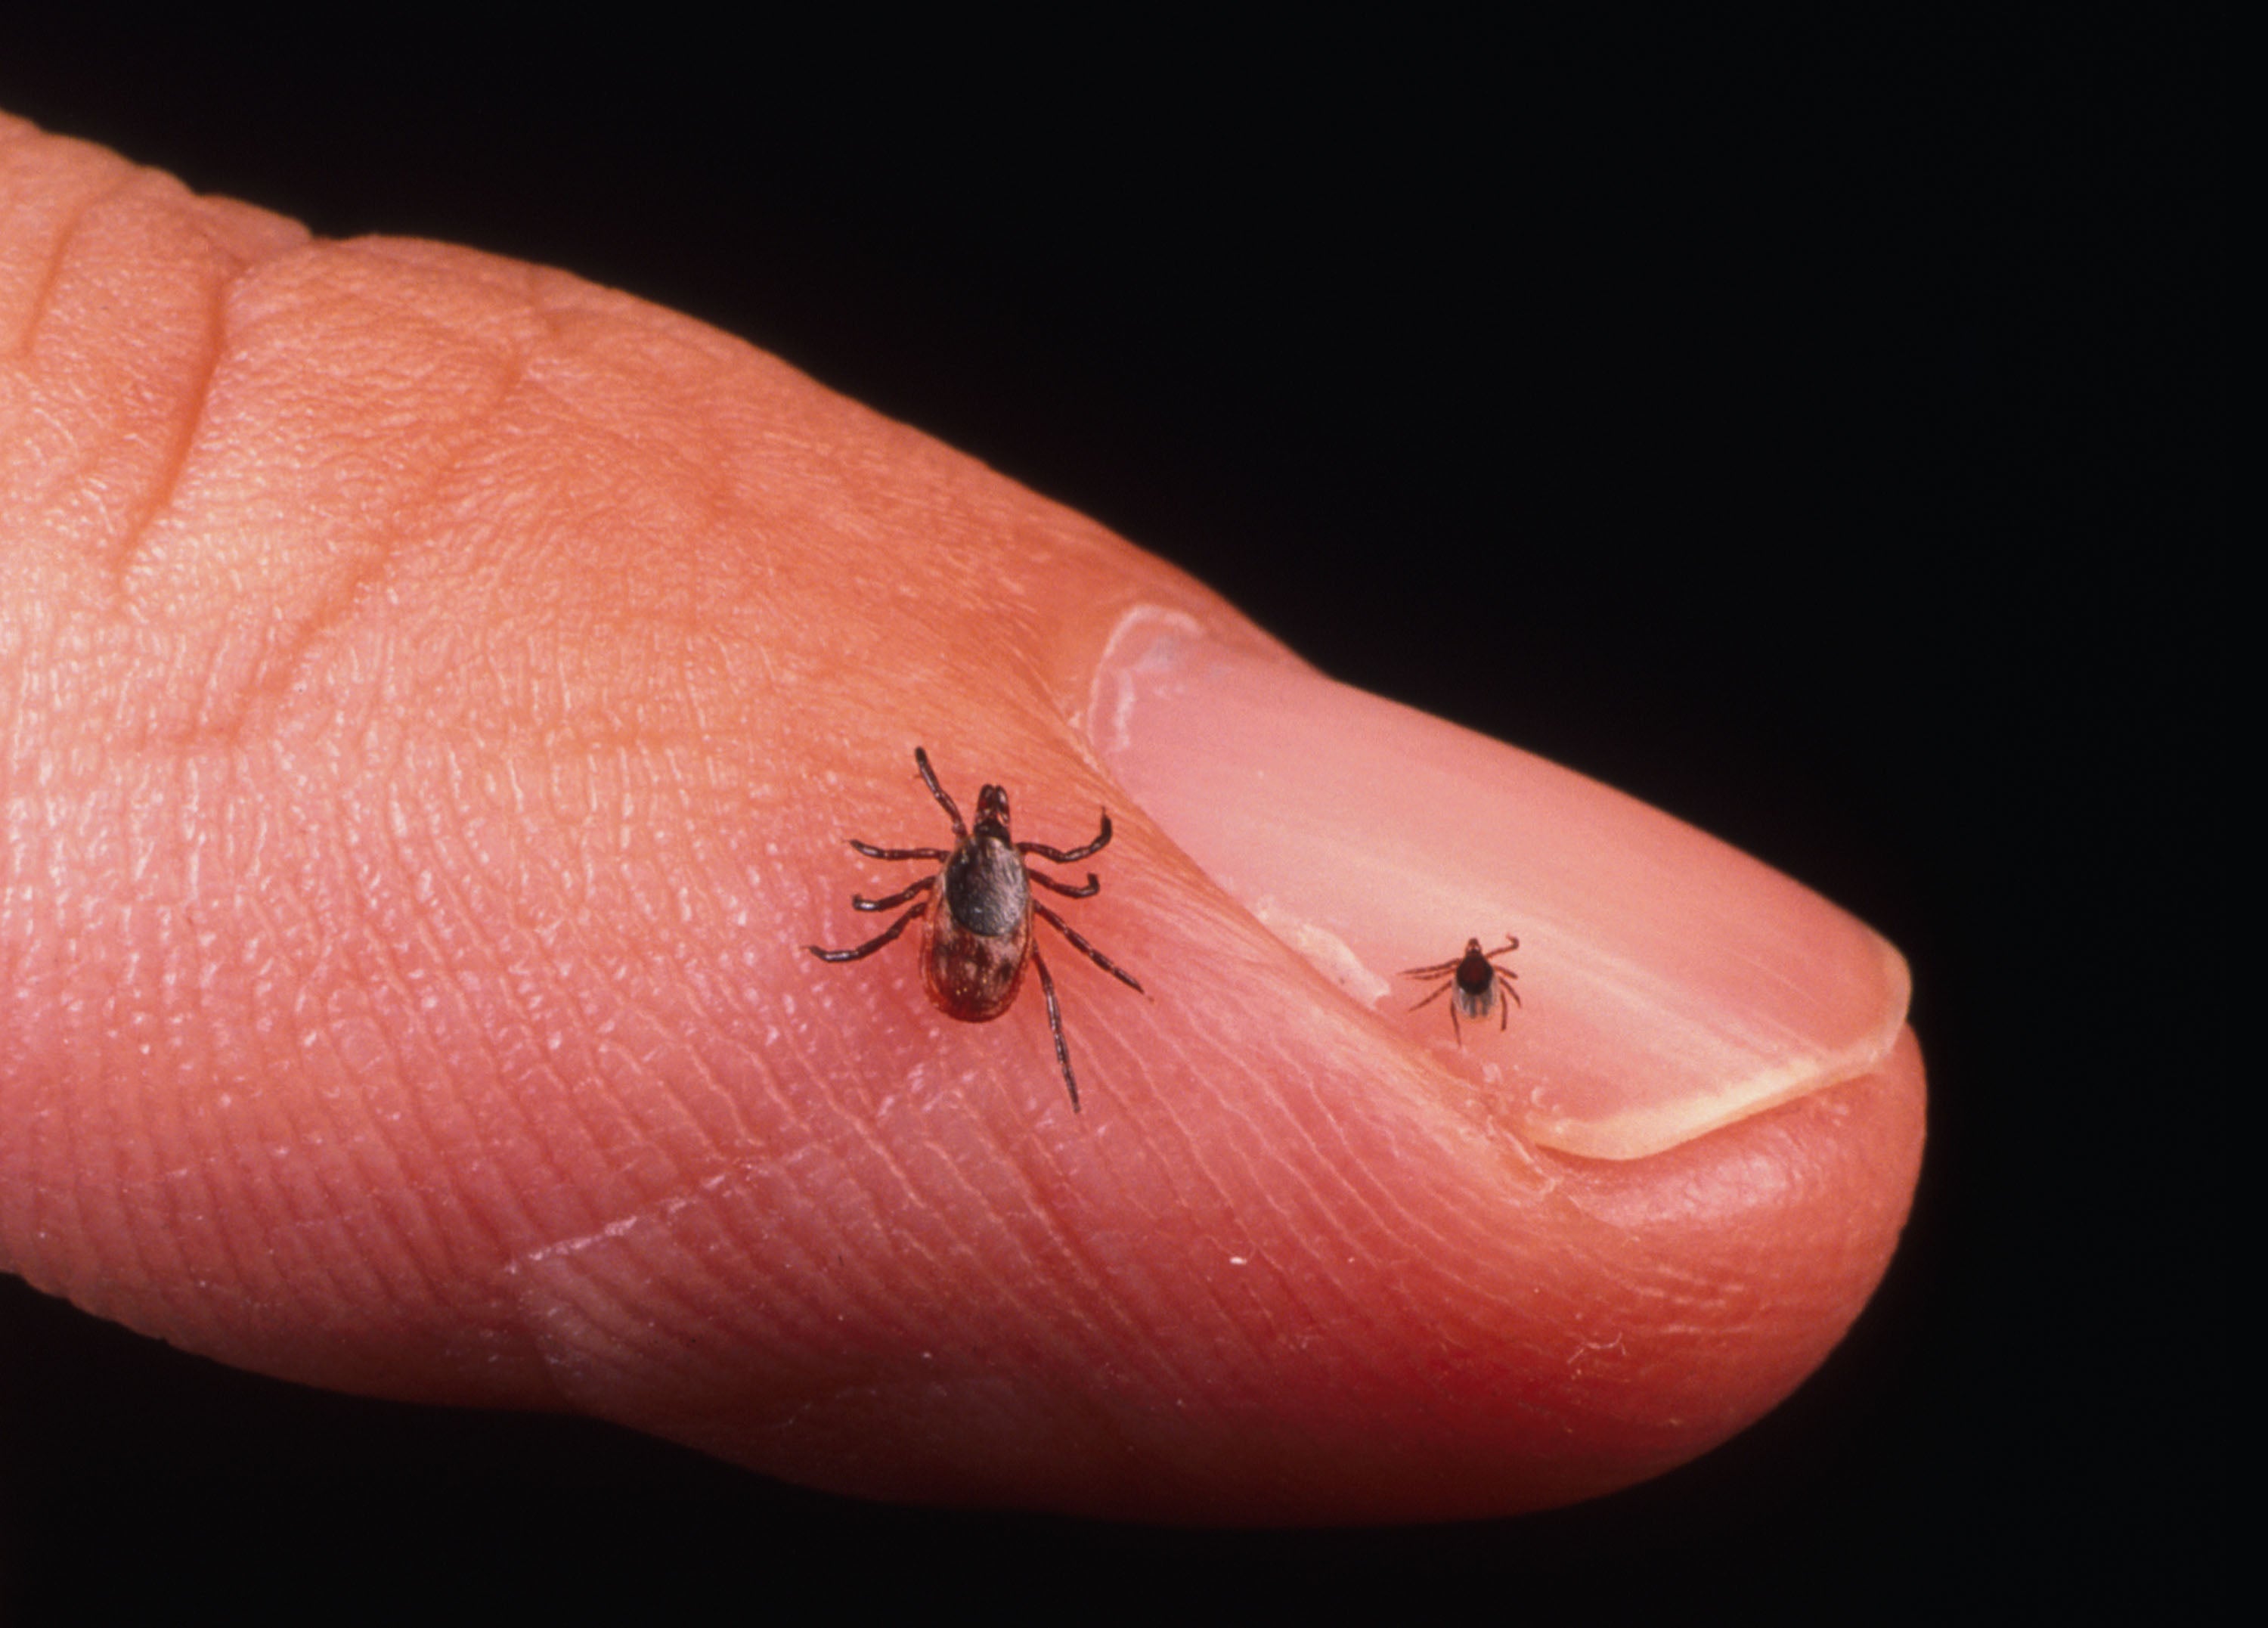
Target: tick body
<point>1476,985</point>
<point>976,910</point>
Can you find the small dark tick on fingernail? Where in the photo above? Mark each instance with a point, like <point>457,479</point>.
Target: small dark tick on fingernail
<point>977,928</point>
<point>1477,981</point>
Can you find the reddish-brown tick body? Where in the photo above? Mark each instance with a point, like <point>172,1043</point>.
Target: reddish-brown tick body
<point>1478,981</point>
<point>977,935</point>
<point>977,927</point>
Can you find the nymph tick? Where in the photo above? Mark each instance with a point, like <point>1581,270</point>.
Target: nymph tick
<point>976,928</point>
<point>1477,981</point>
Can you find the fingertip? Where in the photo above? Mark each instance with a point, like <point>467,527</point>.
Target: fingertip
<point>1681,985</point>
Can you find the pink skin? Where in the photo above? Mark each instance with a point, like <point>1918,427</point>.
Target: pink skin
<point>437,696</point>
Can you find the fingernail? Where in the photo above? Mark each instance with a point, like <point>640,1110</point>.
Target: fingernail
<point>1670,984</point>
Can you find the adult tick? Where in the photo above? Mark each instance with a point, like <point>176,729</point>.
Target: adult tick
<point>1477,980</point>
<point>976,911</point>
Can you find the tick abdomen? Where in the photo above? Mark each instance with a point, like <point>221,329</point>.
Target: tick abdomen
<point>972,977</point>
<point>1476,988</point>
<point>974,942</point>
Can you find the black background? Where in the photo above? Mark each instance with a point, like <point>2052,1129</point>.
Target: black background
<point>1806,426</point>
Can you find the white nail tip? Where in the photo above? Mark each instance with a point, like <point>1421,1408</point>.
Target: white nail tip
<point>1704,1069</point>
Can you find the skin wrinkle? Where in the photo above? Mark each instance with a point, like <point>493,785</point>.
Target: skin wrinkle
<point>863,1258</point>
<point>492,1210</point>
<point>388,1233</point>
<point>104,1214</point>
<point>1454,1336</point>
<point>525,1054</point>
<point>1463,1321</point>
<point>101,210</point>
<point>1400,1217</point>
<point>1323,1245</point>
<point>393,976</point>
<point>1300,1161</point>
<point>1086,1318</point>
<point>1203,1192</point>
<point>573,1131</point>
<point>1689,1286</point>
<point>411,1212</point>
<point>958,1252</point>
<point>1322,1242</point>
<point>1178,1367</point>
<point>587,1113</point>
<point>383,1233</point>
<point>710,1106</point>
<point>835,1266</point>
<point>1493,1308</point>
<point>707,1095</point>
<point>1031,1245</point>
<point>643,1345</point>
<point>331,616</point>
<point>1108,1315</point>
<point>563,1137</point>
<point>42,299</point>
<point>195,394</point>
<point>1219,1192</point>
<point>323,1120</point>
<point>231,715</point>
<point>908,1252</point>
<point>667,1125</point>
<point>642,1328</point>
<point>803,1328</point>
<point>167,1112</point>
<point>855,1211</point>
<point>791,1325</point>
<point>82,1009</point>
<point>735,1109</point>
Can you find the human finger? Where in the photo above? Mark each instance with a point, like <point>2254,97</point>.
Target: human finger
<point>443,691</point>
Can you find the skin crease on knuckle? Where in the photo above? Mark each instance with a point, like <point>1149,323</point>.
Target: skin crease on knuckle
<point>440,691</point>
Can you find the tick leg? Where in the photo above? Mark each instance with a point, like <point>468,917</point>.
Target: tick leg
<point>1510,944</point>
<point>1455,1028</point>
<point>1055,1026</point>
<point>1431,972</point>
<point>1504,981</point>
<point>1085,948</point>
<point>921,762</point>
<point>1094,885</point>
<point>1056,856</point>
<point>871,945</point>
<point>1505,1021</point>
<point>895,899</point>
<point>873,852</point>
<point>1435,996</point>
